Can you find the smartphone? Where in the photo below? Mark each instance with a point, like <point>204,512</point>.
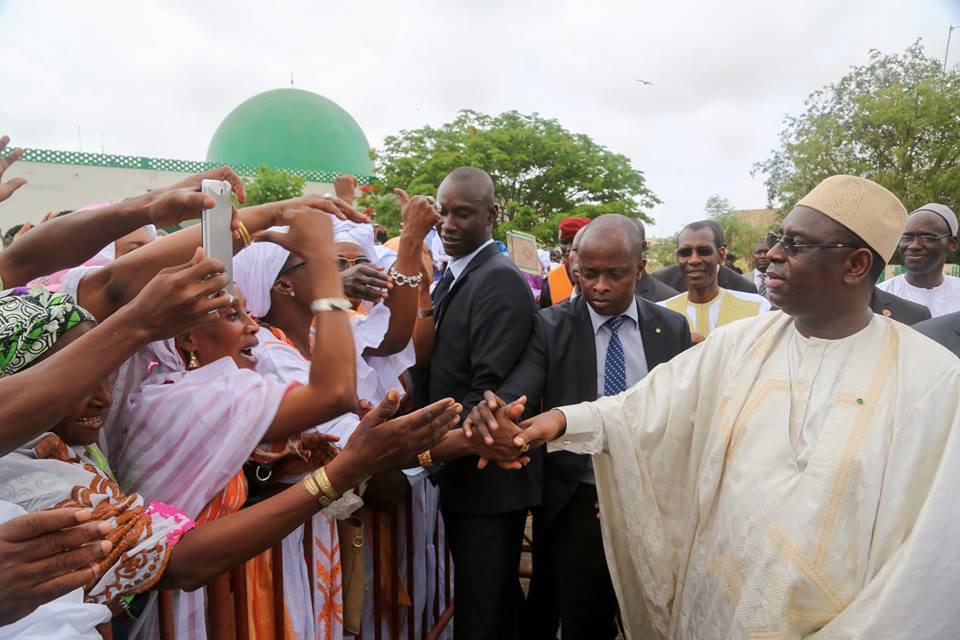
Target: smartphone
<point>217,234</point>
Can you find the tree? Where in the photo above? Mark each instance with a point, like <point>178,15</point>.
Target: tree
<point>541,171</point>
<point>271,185</point>
<point>893,120</point>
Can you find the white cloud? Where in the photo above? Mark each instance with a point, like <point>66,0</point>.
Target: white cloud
<point>156,78</point>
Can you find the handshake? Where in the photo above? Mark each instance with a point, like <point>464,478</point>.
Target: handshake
<point>494,431</point>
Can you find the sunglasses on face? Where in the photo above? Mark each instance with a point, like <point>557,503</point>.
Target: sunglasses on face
<point>907,239</point>
<point>346,263</point>
<point>704,251</point>
<point>284,272</point>
<point>791,247</point>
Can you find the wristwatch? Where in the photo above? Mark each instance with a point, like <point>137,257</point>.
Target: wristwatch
<point>330,304</point>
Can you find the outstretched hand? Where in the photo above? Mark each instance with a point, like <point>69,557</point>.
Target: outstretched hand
<point>336,207</point>
<point>7,188</point>
<point>541,429</point>
<point>45,555</point>
<point>495,422</point>
<point>380,443</point>
<point>181,298</point>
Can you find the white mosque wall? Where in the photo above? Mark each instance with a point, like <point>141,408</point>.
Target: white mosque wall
<point>55,187</point>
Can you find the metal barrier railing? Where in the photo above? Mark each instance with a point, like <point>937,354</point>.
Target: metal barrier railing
<point>227,604</point>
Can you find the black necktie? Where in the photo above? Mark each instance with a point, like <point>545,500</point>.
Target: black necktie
<point>442,289</point>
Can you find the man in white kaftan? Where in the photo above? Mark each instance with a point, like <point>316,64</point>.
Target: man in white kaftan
<point>717,525</point>
<point>771,484</point>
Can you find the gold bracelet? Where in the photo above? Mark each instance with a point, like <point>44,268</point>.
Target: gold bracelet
<point>244,233</point>
<point>311,485</point>
<point>326,487</point>
<point>425,459</point>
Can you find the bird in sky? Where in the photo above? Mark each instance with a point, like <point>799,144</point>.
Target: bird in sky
<point>642,81</point>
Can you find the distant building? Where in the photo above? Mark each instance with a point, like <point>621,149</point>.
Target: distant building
<point>758,218</point>
<point>290,129</point>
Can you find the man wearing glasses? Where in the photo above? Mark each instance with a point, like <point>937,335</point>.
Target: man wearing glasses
<point>811,494</point>
<point>930,235</point>
<point>707,305</point>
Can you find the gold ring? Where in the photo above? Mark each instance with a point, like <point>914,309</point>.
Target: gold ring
<point>525,448</point>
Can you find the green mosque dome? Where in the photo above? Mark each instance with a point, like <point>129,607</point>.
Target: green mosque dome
<point>292,129</point>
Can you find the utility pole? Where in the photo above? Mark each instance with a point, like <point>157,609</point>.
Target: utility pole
<point>947,52</point>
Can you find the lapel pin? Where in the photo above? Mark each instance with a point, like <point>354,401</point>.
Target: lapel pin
<point>859,400</point>
<point>659,330</point>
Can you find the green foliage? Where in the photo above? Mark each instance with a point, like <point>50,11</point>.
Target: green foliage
<point>541,171</point>
<point>662,253</point>
<point>893,120</point>
<point>271,185</point>
<point>383,207</point>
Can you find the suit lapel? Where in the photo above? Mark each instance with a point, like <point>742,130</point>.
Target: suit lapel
<point>654,339</point>
<point>585,349</point>
<point>488,252</point>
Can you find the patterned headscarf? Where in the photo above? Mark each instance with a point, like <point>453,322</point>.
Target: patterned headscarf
<point>31,323</point>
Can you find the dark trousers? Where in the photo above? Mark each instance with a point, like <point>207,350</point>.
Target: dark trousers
<point>571,583</point>
<point>486,586</point>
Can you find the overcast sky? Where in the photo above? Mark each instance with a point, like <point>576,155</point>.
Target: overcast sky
<point>156,78</point>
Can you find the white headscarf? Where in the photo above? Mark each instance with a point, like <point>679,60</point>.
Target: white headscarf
<point>358,234</point>
<point>255,269</point>
<point>436,248</point>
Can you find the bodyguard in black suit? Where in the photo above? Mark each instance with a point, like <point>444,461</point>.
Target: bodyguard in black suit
<point>483,310</point>
<point>560,367</point>
<point>944,329</point>
<point>891,306</point>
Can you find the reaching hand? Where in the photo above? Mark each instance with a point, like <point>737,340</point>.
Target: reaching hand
<point>345,187</point>
<point>46,555</point>
<point>420,215</point>
<point>309,232</point>
<point>179,298</point>
<point>317,450</point>
<point>169,207</point>
<point>366,282</point>
<point>503,450</point>
<point>7,188</point>
<point>380,443</point>
<point>195,182</point>
<point>336,207</point>
<point>542,429</point>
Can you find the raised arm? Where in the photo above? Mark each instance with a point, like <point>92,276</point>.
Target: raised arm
<point>175,301</point>
<point>332,385</point>
<point>377,445</point>
<point>7,188</point>
<point>419,217</point>
<point>105,290</point>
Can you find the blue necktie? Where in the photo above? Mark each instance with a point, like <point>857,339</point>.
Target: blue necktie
<point>615,366</point>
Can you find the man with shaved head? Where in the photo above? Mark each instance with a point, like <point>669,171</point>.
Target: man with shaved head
<point>930,235</point>
<point>795,475</point>
<point>483,311</point>
<point>600,343</point>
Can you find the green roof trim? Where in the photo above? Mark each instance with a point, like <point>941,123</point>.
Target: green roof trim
<point>80,158</point>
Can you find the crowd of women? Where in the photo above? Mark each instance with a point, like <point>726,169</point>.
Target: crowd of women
<point>162,425</point>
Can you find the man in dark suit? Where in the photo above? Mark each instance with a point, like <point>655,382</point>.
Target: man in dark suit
<point>484,314</point>
<point>891,306</point>
<point>727,278</point>
<point>600,343</point>
<point>648,287</point>
<point>944,329</point>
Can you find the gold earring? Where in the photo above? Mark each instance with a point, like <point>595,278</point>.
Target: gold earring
<point>194,361</point>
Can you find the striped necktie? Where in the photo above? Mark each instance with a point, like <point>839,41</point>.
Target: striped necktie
<point>762,287</point>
